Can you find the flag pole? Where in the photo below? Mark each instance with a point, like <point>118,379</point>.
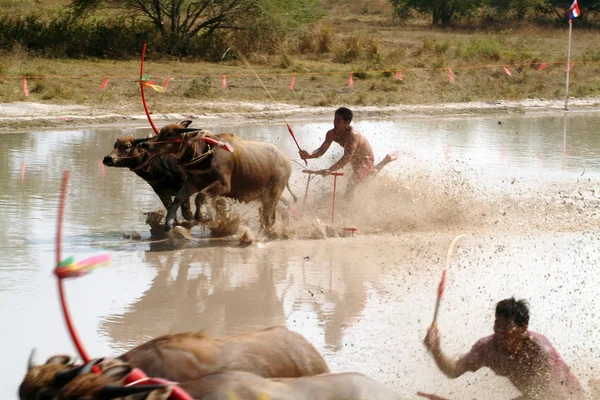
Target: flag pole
<point>568,65</point>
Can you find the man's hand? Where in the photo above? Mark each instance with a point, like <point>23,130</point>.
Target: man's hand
<point>432,339</point>
<point>304,154</point>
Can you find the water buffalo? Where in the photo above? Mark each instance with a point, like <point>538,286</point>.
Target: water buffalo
<point>252,171</point>
<point>162,173</point>
<point>237,385</point>
<point>269,352</point>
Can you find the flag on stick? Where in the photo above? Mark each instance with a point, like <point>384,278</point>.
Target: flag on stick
<point>450,75</point>
<point>542,66</point>
<point>292,82</point>
<point>25,91</point>
<point>104,83</point>
<point>574,10</point>
<point>224,82</point>
<point>350,80</point>
<point>398,75</point>
<point>507,71</point>
<point>569,66</point>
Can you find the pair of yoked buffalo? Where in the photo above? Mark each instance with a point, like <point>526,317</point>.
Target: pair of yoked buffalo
<point>181,161</point>
<point>273,363</point>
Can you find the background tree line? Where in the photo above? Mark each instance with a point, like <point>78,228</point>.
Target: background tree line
<point>215,30</point>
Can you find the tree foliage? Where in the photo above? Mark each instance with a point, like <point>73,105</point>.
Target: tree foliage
<point>442,12</point>
<point>182,21</point>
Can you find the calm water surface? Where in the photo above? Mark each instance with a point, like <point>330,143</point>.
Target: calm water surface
<point>365,302</point>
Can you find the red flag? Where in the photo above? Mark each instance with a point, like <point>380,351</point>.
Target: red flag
<point>23,170</point>
<point>542,66</point>
<point>570,66</point>
<point>398,75</point>
<point>224,82</point>
<point>25,91</point>
<point>291,87</point>
<point>507,71</point>
<point>166,82</point>
<point>104,83</point>
<point>450,75</point>
<point>350,80</point>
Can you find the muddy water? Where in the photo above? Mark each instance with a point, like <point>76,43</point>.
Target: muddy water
<point>523,188</point>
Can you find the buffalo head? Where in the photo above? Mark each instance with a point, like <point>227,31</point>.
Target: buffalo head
<point>170,138</point>
<point>126,152</point>
<point>109,385</point>
<point>44,381</point>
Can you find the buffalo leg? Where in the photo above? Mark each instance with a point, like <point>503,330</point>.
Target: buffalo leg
<point>184,194</point>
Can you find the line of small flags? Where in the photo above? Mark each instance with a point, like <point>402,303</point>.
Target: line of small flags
<point>398,75</point>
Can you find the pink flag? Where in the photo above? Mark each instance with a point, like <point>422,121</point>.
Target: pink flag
<point>104,83</point>
<point>166,82</point>
<point>542,66</point>
<point>23,170</point>
<point>507,71</point>
<point>398,75</point>
<point>25,91</point>
<point>570,66</point>
<point>224,82</point>
<point>101,167</point>
<point>450,75</point>
<point>291,87</point>
<point>350,80</point>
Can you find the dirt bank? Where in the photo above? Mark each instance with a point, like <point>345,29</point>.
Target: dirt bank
<point>24,116</point>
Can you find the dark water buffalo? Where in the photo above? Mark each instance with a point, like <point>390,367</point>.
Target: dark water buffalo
<point>252,171</point>
<point>162,173</point>
<point>229,385</point>
<point>270,352</point>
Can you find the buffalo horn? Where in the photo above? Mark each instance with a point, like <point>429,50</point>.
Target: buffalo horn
<point>114,392</point>
<point>31,361</point>
<point>183,130</point>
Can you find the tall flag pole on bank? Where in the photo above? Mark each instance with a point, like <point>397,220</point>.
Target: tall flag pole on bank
<point>573,13</point>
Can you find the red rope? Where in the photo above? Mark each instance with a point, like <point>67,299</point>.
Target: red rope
<point>63,302</point>
<point>142,90</point>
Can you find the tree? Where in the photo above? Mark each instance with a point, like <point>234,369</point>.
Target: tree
<point>443,12</point>
<point>180,21</point>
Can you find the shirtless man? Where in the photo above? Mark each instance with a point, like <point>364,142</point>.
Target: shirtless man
<point>357,150</point>
<point>526,358</point>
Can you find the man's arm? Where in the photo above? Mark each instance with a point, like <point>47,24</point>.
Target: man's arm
<point>320,151</point>
<point>451,367</point>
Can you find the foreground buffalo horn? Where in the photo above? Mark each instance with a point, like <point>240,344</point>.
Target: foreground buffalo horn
<point>63,377</point>
<point>30,362</point>
<point>114,392</point>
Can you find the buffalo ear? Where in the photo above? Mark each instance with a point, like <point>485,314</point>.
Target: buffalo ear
<point>117,373</point>
<point>59,359</point>
<point>185,123</point>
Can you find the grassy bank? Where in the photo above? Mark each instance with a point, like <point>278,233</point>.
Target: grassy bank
<point>370,46</point>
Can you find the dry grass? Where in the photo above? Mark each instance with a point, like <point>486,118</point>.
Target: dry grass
<point>369,45</point>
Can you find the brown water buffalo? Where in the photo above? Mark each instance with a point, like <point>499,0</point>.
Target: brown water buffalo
<point>252,171</point>
<point>162,173</point>
<point>229,385</point>
<point>269,352</point>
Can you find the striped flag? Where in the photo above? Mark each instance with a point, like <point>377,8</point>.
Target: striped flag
<point>574,10</point>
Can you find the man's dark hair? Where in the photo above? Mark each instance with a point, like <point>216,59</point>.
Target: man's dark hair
<point>513,310</point>
<point>345,113</point>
